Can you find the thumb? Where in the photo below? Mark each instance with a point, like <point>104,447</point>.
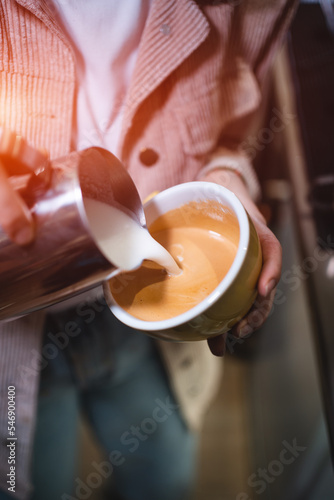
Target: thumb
<point>15,217</point>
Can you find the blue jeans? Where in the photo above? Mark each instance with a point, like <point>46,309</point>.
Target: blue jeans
<point>113,376</point>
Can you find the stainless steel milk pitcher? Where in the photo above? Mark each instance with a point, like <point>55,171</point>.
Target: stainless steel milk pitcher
<point>64,258</point>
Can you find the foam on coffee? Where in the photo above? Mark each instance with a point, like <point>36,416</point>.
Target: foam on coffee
<point>203,238</point>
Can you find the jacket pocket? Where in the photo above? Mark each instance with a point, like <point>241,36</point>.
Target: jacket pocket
<point>202,121</point>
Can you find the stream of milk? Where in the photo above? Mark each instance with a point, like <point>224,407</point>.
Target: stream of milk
<point>123,241</point>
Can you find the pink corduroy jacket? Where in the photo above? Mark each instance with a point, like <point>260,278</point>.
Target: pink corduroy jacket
<point>198,77</point>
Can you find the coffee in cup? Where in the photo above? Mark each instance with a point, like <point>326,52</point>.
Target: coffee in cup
<point>203,238</point>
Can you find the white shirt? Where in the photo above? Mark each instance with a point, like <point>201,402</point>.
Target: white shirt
<point>105,35</point>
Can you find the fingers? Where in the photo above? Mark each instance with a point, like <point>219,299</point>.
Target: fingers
<point>15,217</point>
<point>249,324</point>
<point>255,317</point>
<point>217,345</point>
<point>272,260</point>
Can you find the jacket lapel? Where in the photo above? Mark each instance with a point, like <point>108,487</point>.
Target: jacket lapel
<point>174,29</point>
<point>47,14</point>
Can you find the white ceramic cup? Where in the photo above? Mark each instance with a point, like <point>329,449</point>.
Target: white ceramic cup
<point>234,295</point>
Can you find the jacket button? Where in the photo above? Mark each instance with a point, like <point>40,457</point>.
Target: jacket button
<point>148,156</point>
<point>165,29</point>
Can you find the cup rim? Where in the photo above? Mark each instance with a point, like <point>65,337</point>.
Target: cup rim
<point>223,286</point>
